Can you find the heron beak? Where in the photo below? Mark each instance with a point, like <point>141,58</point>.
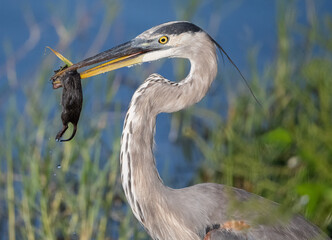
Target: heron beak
<point>118,57</point>
<point>126,54</point>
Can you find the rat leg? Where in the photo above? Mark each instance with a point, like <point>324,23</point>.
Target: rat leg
<point>59,135</point>
<point>72,135</point>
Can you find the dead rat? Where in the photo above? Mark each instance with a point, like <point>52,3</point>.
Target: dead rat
<point>71,101</point>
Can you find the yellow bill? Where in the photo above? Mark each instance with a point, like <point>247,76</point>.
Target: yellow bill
<point>112,65</point>
<point>126,54</point>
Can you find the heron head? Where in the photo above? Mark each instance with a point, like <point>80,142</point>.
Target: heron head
<point>172,39</point>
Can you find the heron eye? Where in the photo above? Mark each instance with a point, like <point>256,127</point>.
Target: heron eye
<point>163,40</point>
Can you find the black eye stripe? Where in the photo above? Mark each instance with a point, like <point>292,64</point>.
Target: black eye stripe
<point>177,28</point>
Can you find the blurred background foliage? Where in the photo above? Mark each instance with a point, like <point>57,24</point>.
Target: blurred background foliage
<point>282,150</point>
<point>289,139</point>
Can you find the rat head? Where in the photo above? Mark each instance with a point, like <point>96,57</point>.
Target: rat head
<point>68,80</point>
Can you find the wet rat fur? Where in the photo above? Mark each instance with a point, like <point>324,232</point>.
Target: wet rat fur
<point>72,99</point>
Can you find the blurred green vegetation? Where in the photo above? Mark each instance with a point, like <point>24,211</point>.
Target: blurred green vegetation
<point>59,191</point>
<point>282,151</point>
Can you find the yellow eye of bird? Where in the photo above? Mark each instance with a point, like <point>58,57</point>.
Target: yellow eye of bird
<point>163,40</point>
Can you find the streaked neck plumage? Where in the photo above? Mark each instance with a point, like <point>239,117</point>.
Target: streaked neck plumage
<point>143,187</point>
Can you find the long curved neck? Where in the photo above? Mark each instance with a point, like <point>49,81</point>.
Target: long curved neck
<point>142,184</point>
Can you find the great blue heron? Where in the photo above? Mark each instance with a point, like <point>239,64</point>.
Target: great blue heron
<point>208,210</point>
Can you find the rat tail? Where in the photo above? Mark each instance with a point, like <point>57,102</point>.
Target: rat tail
<point>72,135</point>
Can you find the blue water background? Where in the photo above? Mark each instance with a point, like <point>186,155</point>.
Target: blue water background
<point>237,25</point>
